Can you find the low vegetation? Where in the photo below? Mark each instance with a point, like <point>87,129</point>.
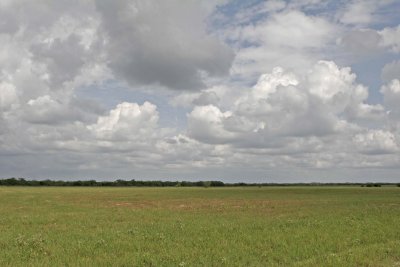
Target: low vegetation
<point>133,182</point>
<point>194,226</point>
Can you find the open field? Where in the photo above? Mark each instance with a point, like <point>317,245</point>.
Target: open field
<point>269,226</point>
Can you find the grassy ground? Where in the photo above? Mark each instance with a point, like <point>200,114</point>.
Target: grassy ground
<point>286,226</point>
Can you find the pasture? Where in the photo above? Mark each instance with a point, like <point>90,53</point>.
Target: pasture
<point>236,226</point>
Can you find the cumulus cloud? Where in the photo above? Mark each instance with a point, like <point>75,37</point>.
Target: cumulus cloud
<point>48,110</point>
<point>377,142</point>
<point>215,95</point>
<point>391,38</point>
<point>391,71</point>
<point>127,121</point>
<point>316,121</point>
<point>358,12</point>
<point>370,42</point>
<point>165,43</point>
<point>8,95</point>
<point>362,42</point>
<point>63,58</point>
<point>391,94</point>
<point>290,29</point>
<point>206,98</point>
<point>281,104</point>
<point>206,124</point>
<point>289,38</point>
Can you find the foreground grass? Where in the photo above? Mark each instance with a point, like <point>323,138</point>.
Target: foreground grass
<point>286,226</point>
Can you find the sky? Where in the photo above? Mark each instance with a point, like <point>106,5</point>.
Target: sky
<point>249,91</point>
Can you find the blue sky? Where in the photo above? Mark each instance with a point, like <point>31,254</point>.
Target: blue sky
<point>283,91</point>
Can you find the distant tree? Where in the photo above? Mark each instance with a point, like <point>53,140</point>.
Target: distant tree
<point>216,183</point>
<point>10,181</point>
<point>207,184</point>
<point>45,183</point>
<point>77,183</point>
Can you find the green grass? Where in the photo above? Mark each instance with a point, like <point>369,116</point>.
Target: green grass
<point>269,226</point>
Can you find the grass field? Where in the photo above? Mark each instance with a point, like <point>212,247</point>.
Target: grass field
<point>269,226</point>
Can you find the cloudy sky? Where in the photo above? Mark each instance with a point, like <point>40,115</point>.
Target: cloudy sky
<point>260,91</point>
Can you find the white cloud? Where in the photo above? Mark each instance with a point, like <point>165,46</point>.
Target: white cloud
<point>43,109</point>
<point>205,123</point>
<point>391,94</point>
<point>267,83</point>
<point>358,12</point>
<point>290,29</point>
<point>337,88</point>
<point>377,142</point>
<point>299,129</point>
<point>8,95</point>
<point>391,38</point>
<point>366,43</point>
<point>324,105</point>
<point>128,121</point>
<point>391,71</point>
<point>274,5</point>
<point>49,110</point>
<point>290,39</point>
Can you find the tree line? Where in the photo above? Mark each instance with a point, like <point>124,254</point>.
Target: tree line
<point>138,183</point>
